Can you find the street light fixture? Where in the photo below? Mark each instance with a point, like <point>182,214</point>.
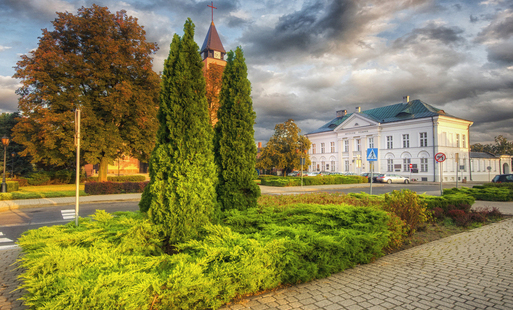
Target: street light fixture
<point>5,142</point>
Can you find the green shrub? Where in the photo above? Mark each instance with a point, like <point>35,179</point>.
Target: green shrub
<point>408,206</point>
<point>39,178</point>
<point>117,262</point>
<point>64,177</point>
<point>457,200</point>
<point>106,188</point>
<point>314,180</point>
<point>12,186</point>
<point>488,193</point>
<point>21,181</point>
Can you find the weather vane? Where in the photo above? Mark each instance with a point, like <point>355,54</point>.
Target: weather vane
<point>212,7</point>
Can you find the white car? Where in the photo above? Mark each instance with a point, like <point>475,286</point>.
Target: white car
<point>392,178</point>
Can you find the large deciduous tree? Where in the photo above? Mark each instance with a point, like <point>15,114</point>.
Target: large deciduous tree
<point>234,143</point>
<point>100,62</point>
<point>285,148</point>
<point>19,165</point>
<point>181,195</point>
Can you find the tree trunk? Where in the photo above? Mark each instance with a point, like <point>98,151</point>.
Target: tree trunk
<point>102,172</point>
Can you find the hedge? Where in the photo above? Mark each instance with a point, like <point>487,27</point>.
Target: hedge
<point>448,201</point>
<point>122,178</point>
<point>312,180</point>
<point>488,193</point>
<point>106,188</point>
<point>12,186</point>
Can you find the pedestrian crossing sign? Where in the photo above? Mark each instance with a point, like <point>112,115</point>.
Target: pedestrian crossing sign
<point>372,154</point>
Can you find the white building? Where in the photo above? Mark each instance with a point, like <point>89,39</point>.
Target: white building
<point>406,133</point>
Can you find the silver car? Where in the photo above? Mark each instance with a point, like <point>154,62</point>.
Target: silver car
<point>392,178</point>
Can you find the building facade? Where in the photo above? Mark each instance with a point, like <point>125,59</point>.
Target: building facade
<point>411,132</point>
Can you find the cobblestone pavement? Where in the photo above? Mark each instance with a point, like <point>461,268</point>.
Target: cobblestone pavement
<point>471,270</point>
<point>9,280</point>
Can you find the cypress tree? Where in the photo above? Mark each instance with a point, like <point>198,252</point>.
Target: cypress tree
<point>181,196</point>
<point>234,144</point>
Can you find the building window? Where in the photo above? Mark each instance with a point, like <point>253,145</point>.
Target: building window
<point>464,139</point>
<point>332,165</point>
<point>371,143</point>
<point>322,148</point>
<point>406,164</point>
<point>423,165</point>
<point>318,167</point>
<point>423,139</point>
<point>313,149</point>
<point>346,145</point>
<point>357,142</point>
<point>390,142</point>
<point>313,165</point>
<point>346,165</point>
<point>406,141</point>
<point>332,144</point>
<point>390,165</point>
<point>323,165</point>
<point>457,140</point>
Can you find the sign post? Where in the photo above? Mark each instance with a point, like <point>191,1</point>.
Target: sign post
<point>440,158</point>
<point>372,156</point>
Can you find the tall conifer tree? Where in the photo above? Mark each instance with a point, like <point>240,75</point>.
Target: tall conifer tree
<point>181,195</point>
<point>234,144</point>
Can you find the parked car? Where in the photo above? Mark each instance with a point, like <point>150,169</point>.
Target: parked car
<point>502,178</point>
<point>392,178</point>
<point>375,177</point>
<point>324,173</point>
<point>294,174</point>
<point>310,173</point>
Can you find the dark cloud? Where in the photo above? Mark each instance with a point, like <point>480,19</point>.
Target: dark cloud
<point>501,53</point>
<point>432,32</point>
<point>501,28</point>
<point>235,22</point>
<point>473,19</point>
<point>303,31</point>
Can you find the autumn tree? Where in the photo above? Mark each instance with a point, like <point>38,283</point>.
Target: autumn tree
<point>234,143</point>
<point>181,197</point>
<point>285,149</point>
<point>214,75</point>
<point>100,62</point>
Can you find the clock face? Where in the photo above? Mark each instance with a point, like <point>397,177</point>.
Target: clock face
<point>217,55</point>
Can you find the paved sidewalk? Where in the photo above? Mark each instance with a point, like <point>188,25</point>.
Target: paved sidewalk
<point>471,270</point>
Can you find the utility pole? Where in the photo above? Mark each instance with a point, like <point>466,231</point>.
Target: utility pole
<point>77,181</point>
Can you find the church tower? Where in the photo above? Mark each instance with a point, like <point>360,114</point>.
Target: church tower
<point>213,54</point>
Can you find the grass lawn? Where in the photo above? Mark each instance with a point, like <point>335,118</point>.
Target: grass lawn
<point>46,191</point>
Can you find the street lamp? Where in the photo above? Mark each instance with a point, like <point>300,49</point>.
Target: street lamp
<point>12,170</point>
<point>5,142</point>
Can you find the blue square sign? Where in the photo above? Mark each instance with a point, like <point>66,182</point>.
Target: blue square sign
<point>372,154</point>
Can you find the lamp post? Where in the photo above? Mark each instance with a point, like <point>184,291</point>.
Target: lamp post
<point>5,142</point>
<point>12,162</point>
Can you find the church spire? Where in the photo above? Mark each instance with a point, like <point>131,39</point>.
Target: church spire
<point>212,46</point>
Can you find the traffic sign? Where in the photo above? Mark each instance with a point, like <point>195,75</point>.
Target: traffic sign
<point>372,154</point>
<point>411,166</point>
<point>440,157</point>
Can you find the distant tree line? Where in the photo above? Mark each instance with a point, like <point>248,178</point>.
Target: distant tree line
<point>501,147</point>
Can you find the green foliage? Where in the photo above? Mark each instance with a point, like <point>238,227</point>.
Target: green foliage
<point>12,186</point>
<point>181,197</point>
<point>19,165</point>
<point>116,262</point>
<point>285,149</point>
<point>107,188</point>
<point>234,144</point>
<point>408,206</point>
<point>42,194</point>
<point>488,193</point>
<point>98,61</point>
<point>501,147</point>
<point>458,200</point>
<point>39,178</point>
<point>316,180</point>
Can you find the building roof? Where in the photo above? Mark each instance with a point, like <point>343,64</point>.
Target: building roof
<point>212,40</point>
<point>414,109</point>
<point>482,155</point>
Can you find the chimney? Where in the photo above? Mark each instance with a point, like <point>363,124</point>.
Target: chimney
<point>259,145</point>
<point>358,109</point>
<point>341,113</point>
<point>406,99</point>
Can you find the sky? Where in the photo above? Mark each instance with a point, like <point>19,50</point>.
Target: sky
<point>308,59</point>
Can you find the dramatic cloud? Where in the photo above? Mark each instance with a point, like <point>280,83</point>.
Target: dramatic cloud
<point>309,58</point>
